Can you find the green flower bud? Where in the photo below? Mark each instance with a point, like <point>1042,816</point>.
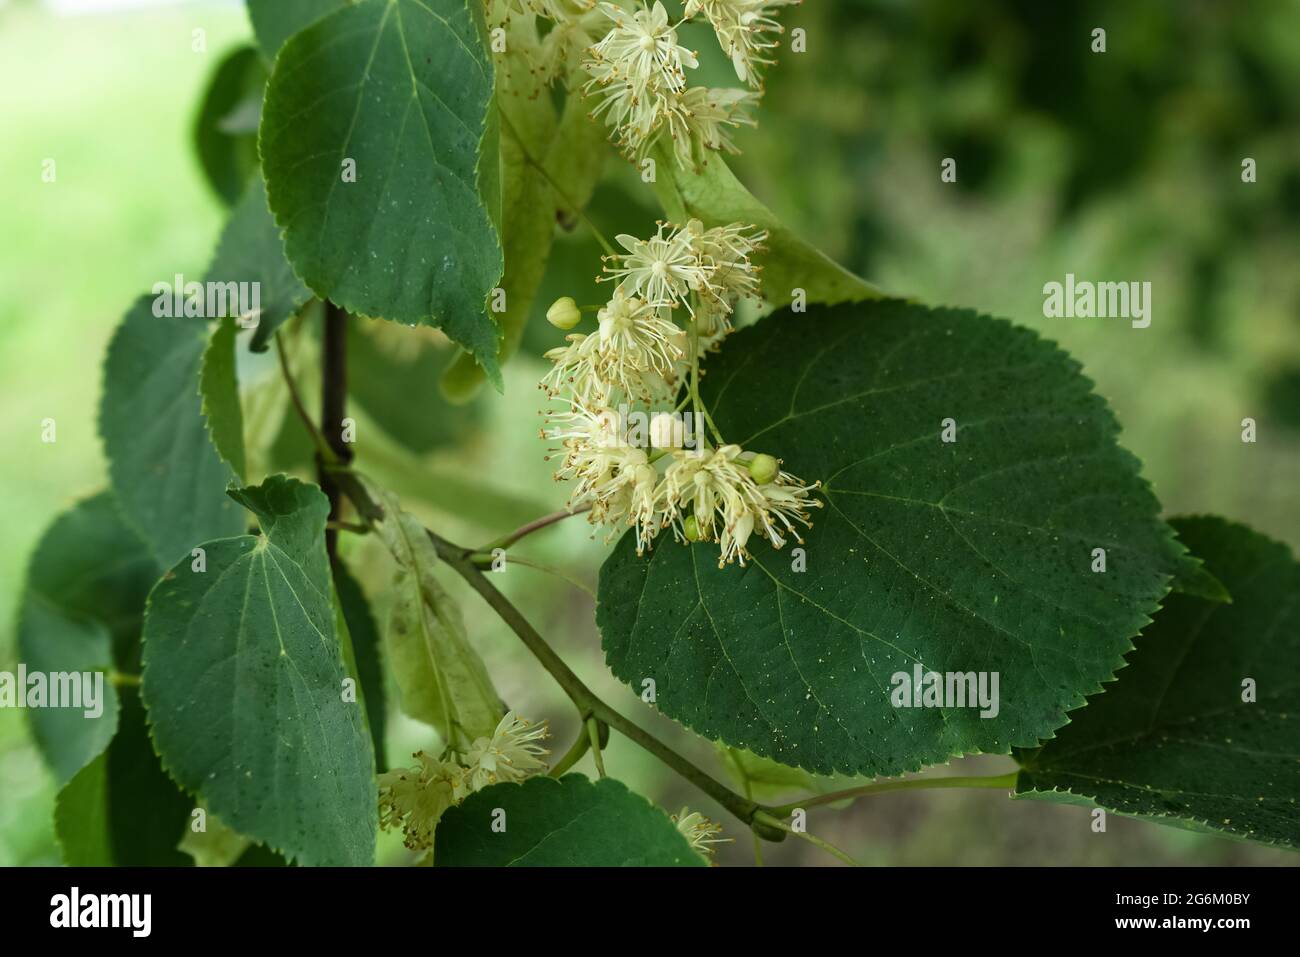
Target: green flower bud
<point>692,528</point>
<point>763,468</point>
<point>563,313</point>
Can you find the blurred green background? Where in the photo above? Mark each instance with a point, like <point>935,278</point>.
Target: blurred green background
<point>1116,166</point>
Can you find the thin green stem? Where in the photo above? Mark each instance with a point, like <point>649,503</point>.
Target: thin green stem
<point>748,789</point>
<point>120,679</point>
<point>505,541</point>
<point>701,411</point>
<point>1005,781</point>
<point>485,560</point>
<point>583,698</point>
<point>593,735</point>
<point>295,397</point>
<point>559,190</point>
<point>574,754</point>
<point>356,528</point>
<point>766,818</point>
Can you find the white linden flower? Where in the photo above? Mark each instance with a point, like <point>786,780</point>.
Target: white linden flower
<point>562,49</point>
<point>699,831</point>
<point>785,502</point>
<point>635,69</point>
<point>510,755</point>
<point>593,448</point>
<point>707,116</point>
<point>715,488</point>
<point>611,497</point>
<point>415,798</point>
<point>643,513</point>
<point>703,483</point>
<point>635,339</point>
<point>662,270</point>
<point>642,49</point>
<point>744,29</point>
<point>575,369</point>
<point>724,251</point>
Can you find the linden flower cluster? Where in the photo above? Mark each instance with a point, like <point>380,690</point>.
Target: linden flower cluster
<point>634,366</point>
<point>635,68</point>
<point>415,798</point>
<point>699,831</point>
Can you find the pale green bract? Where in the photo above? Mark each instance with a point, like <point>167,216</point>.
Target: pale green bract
<point>442,679</point>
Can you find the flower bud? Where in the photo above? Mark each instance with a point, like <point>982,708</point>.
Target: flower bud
<point>563,313</point>
<point>692,528</point>
<point>764,468</point>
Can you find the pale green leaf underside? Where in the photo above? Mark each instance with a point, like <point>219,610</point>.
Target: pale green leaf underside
<point>966,556</point>
<point>403,88</point>
<point>243,678</point>
<point>571,822</point>
<point>170,481</point>
<point>1172,738</point>
<point>714,196</point>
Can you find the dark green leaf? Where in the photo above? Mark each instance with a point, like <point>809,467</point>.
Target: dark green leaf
<point>566,823</point>
<point>225,141</point>
<point>403,88</point>
<point>365,649</point>
<point>170,481</point>
<point>1172,739</point>
<point>243,678</point>
<point>251,251</point>
<point>1193,578</point>
<point>274,21</point>
<point>52,641</point>
<point>121,809</point>
<point>219,389</point>
<point>81,611</point>
<point>956,557</point>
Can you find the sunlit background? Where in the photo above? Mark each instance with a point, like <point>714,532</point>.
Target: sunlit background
<point>1115,167</point>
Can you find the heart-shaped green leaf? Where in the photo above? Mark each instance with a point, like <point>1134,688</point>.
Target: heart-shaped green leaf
<point>244,682</point>
<point>169,480</point>
<point>971,557</point>
<point>80,612</point>
<point>1202,728</point>
<point>566,823</point>
<point>370,140</point>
